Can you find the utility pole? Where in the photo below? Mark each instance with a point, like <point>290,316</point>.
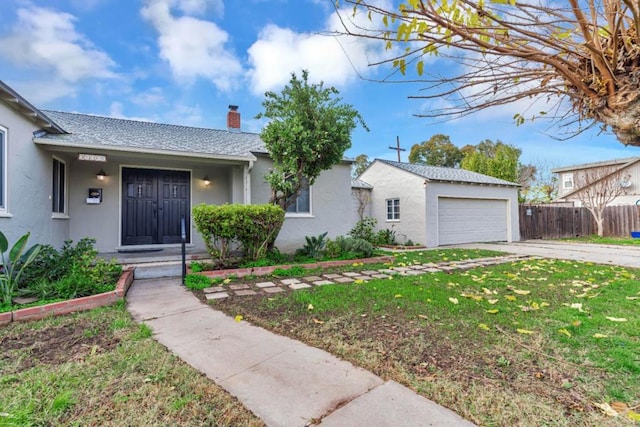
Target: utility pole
<point>397,148</point>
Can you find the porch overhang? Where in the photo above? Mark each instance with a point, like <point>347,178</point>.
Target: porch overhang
<point>64,146</point>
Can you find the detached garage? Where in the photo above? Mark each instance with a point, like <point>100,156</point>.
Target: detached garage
<point>440,206</point>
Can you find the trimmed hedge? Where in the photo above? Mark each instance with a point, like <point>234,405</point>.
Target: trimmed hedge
<point>253,227</point>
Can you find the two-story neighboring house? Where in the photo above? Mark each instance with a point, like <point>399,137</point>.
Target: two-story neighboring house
<point>625,172</point>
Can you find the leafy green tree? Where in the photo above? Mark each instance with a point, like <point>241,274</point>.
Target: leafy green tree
<point>360,163</point>
<point>497,159</point>
<point>436,151</point>
<point>309,131</point>
<point>573,61</point>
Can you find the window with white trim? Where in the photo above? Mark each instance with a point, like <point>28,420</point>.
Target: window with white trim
<point>59,187</point>
<point>3,169</point>
<point>567,181</point>
<point>302,203</point>
<point>393,209</point>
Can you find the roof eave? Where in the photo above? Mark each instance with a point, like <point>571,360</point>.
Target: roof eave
<point>53,143</point>
<point>24,107</point>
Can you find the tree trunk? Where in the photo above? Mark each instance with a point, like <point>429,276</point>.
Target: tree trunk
<point>598,216</point>
<point>621,113</point>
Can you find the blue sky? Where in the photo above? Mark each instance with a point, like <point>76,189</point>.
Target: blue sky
<point>185,61</point>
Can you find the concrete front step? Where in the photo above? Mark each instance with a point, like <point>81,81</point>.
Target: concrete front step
<point>157,270</point>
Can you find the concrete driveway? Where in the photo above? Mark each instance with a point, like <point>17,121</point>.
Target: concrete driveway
<point>626,256</point>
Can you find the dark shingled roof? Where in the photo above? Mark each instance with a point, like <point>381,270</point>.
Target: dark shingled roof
<point>442,174</point>
<point>107,133</point>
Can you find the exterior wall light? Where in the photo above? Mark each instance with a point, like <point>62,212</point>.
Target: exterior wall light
<point>206,180</point>
<point>101,175</point>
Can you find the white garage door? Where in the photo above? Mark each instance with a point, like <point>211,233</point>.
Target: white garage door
<point>471,220</point>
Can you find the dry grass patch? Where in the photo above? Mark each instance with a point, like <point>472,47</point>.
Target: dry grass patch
<point>100,368</point>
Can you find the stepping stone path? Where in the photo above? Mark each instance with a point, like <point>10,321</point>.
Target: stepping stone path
<point>283,285</point>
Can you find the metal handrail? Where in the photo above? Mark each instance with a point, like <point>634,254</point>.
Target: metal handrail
<point>183,240</point>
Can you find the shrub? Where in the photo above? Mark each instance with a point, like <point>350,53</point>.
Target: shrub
<point>332,249</point>
<point>253,227</point>
<point>364,229</point>
<point>54,265</point>
<point>314,246</point>
<point>349,248</point>
<point>385,237</point>
<point>71,272</point>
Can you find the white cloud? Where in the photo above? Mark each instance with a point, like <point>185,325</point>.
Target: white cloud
<point>336,60</point>
<point>194,48</point>
<point>151,97</point>
<point>48,40</point>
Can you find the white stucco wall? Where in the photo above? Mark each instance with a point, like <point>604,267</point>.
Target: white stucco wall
<point>28,185</point>
<point>392,183</point>
<point>435,190</point>
<point>330,205</point>
<point>360,196</point>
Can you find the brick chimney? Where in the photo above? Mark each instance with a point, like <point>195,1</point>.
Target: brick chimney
<point>233,119</point>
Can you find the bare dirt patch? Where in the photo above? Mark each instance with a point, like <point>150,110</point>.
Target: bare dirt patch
<point>56,345</point>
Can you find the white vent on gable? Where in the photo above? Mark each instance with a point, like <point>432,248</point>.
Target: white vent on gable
<point>625,183</point>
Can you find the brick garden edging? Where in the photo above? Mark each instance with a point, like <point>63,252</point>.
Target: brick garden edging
<point>73,305</point>
<point>263,271</point>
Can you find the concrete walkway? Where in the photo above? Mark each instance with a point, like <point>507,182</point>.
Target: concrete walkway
<point>625,256</point>
<point>284,382</point>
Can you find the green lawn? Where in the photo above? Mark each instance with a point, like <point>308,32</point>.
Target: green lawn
<point>100,368</point>
<point>604,240</point>
<point>538,342</point>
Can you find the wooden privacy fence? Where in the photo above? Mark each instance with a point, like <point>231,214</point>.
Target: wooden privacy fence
<point>552,222</point>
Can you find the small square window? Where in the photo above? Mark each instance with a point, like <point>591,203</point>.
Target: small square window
<point>393,209</point>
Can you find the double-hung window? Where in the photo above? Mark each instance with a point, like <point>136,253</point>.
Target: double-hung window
<point>567,181</point>
<point>3,170</point>
<point>393,209</point>
<point>302,204</point>
<point>59,188</point>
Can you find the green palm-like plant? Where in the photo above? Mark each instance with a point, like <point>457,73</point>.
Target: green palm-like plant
<point>12,266</point>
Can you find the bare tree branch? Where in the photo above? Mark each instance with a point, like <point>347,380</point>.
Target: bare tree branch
<point>586,53</point>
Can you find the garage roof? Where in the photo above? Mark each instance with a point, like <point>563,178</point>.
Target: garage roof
<point>442,174</point>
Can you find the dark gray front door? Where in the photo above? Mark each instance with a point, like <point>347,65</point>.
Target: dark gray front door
<point>153,202</point>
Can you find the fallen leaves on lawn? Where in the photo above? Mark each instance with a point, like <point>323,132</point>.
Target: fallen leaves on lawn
<point>238,318</point>
<point>525,331</point>
<point>483,326</point>
<point>616,319</point>
<point>492,301</point>
<point>600,336</point>
<point>565,332</point>
<point>453,300</point>
<point>492,311</point>
<point>310,307</point>
<point>615,409</point>
<point>575,305</point>
<point>521,292</point>
<point>318,322</point>
<point>510,297</point>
